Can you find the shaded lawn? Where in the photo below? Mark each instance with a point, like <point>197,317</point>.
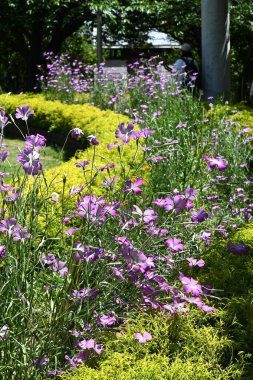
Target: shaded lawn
<point>49,157</point>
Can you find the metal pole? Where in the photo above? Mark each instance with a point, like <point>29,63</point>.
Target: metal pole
<point>215,41</point>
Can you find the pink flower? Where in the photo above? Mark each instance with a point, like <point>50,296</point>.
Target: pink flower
<point>218,162</point>
<point>148,216</point>
<point>134,186</point>
<point>142,338</point>
<point>195,263</point>
<point>174,245</point>
<point>190,285</point>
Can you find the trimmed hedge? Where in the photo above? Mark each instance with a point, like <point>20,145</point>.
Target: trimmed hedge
<point>54,116</point>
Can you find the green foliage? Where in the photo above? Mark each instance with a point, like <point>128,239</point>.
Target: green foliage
<point>183,347</point>
<point>231,277</point>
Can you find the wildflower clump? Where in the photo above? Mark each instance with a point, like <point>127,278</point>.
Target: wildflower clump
<point>145,227</point>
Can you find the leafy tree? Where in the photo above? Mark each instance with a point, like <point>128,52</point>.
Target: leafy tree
<point>30,27</point>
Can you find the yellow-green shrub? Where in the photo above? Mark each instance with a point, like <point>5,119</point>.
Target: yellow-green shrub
<point>240,113</point>
<point>184,347</point>
<point>55,116</point>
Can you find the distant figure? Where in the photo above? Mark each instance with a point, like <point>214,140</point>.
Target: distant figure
<point>187,69</point>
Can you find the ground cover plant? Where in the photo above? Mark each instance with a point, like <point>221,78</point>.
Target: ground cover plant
<point>131,245</point>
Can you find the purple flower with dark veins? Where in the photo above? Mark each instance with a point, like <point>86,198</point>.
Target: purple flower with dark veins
<point>82,164</point>
<point>60,266</point>
<point>124,132</point>
<point>3,155</point>
<point>23,112</point>
<point>2,251</point>
<point>30,161</point>
<point>238,249</point>
<point>48,259</point>
<point>92,139</point>
<point>83,293</point>
<point>9,226</point>
<point>21,235</point>
<point>199,216</point>
<point>76,133</point>
<point>133,185</point>
<point>148,216</point>
<point>218,162</point>
<point>35,142</point>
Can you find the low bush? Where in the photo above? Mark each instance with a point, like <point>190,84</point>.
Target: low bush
<point>54,116</point>
<point>186,347</point>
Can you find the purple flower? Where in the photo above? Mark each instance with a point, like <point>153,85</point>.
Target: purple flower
<point>76,133</point>
<point>82,164</point>
<point>48,259</point>
<point>106,320</point>
<point>156,231</point>
<point>9,226</point>
<point>157,158</point>
<point>144,133</point>
<point>199,216</point>
<point>60,266</point>
<point>3,119</point>
<point>21,235</point>
<point>93,140</point>
<point>71,231</point>
<point>90,345</point>
<point>124,132</point>
<point>174,245</point>
<point>109,166</point>
<point>109,182</point>
<point>84,293</point>
<point>54,373</point>
<point>142,338</point>
<point>190,285</point>
<point>148,216</point>
<point>13,196</point>
<point>41,361</point>
<point>238,249</point>
<point>133,185</point>
<point>23,112</point>
<point>218,162</point>
<point>30,161</point>
<point>78,360</point>
<point>114,145</point>
<point>35,142</point>
<point>2,251</point>
<point>3,155</point>
<point>194,262</point>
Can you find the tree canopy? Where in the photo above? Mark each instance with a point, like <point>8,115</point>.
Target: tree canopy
<point>31,27</point>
